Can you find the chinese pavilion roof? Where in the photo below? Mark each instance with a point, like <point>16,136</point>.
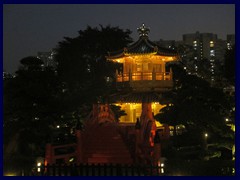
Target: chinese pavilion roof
<point>142,46</point>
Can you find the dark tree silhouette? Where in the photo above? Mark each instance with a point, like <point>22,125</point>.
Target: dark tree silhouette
<point>31,107</point>
<point>198,106</point>
<point>82,66</point>
<point>81,61</point>
<point>40,98</point>
<point>230,65</point>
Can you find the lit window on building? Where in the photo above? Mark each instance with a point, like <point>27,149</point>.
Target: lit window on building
<point>212,53</point>
<point>229,47</point>
<point>194,43</point>
<point>211,44</point>
<point>36,118</point>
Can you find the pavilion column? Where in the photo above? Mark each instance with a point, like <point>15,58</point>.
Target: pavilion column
<point>147,110</point>
<point>154,75</point>
<point>116,74</point>
<point>171,73</point>
<point>130,75</point>
<point>164,70</point>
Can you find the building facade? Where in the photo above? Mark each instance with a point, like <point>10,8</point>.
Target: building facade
<point>202,53</point>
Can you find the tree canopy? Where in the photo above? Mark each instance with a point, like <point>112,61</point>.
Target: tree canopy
<point>31,106</point>
<point>81,61</point>
<point>38,97</point>
<point>86,75</point>
<point>230,67</point>
<point>197,105</point>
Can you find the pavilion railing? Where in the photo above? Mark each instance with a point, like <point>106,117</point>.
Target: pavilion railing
<point>141,76</point>
<point>99,170</point>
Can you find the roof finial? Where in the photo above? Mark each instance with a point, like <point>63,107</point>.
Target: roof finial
<point>143,30</point>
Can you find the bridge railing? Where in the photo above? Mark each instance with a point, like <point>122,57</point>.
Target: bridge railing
<point>99,170</point>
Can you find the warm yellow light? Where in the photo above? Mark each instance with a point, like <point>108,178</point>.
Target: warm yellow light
<point>10,174</point>
<point>71,159</point>
<point>206,135</point>
<point>162,170</point>
<point>39,164</point>
<point>233,152</point>
<point>227,119</point>
<point>158,124</point>
<point>140,58</point>
<point>133,110</point>
<point>162,164</point>
<point>38,169</point>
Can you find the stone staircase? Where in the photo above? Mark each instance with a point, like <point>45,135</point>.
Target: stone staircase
<point>103,144</point>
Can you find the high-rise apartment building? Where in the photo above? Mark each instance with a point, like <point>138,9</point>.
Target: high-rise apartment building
<point>199,48</point>
<point>207,46</point>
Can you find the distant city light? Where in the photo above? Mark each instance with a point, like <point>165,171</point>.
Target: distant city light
<point>39,165</point>
<point>71,159</point>
<point>162,170</point>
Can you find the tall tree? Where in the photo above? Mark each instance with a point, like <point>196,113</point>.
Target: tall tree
<point>230,65</point>
<point>82,65</point>
<point>197,105</point>
<point>30,108</point>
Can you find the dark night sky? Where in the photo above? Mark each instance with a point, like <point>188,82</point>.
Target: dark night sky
<point>28,29</point>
